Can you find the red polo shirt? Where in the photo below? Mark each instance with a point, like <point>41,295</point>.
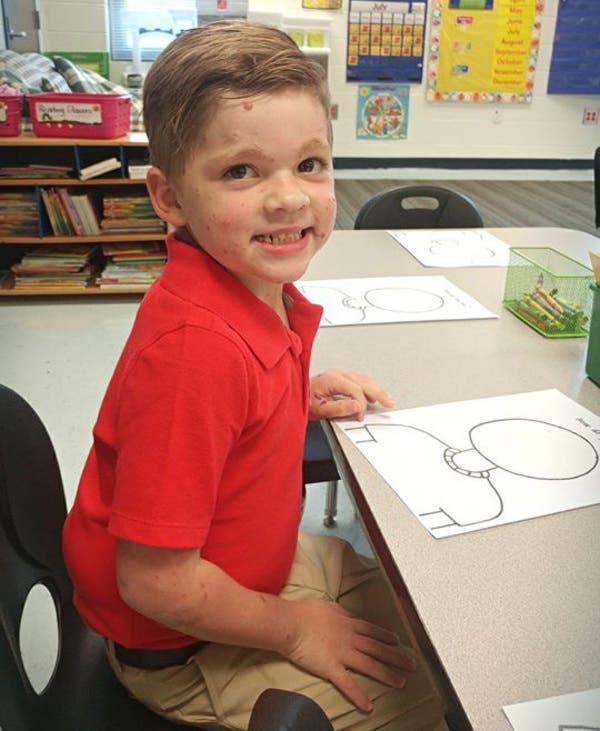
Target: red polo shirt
<point>198,442</point>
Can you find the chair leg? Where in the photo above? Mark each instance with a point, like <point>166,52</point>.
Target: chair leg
<point>331,504</point>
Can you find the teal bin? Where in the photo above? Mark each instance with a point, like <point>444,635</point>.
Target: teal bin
<point>592,364</point>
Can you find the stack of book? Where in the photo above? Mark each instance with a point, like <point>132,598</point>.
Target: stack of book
<point>131,265</point>
<point>56,266</point>
<point>69,214</point>
<point>99,168</point>
<point>129,214</point>
<point>18,213</point>
<point>35,171</point>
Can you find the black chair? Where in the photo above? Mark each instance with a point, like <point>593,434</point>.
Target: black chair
<point>418,206</point>
<point>82,693</point>
<point>597,185</point>
<point>318,465</point>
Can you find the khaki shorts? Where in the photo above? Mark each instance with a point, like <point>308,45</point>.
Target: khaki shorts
<point>219,685</point>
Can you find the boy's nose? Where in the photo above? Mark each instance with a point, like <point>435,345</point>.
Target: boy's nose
<point>286,196</point>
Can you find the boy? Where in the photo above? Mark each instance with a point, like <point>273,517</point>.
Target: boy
<point>183,539</point>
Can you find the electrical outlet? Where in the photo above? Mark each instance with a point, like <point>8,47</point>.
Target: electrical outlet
<point>590,115</point>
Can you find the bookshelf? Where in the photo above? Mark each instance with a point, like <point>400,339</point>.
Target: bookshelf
<point>71,154</point>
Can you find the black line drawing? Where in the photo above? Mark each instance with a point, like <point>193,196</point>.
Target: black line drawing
<point>343,308</point>
<point>576,727</point>
<point>470,496</point>
<point>459,250</point>
<point>454,248</point>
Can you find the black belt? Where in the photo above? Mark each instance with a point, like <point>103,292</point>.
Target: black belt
<point>156,659</point>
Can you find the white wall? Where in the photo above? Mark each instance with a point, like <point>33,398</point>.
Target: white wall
<point>73,25</point>
<point>548,128</point>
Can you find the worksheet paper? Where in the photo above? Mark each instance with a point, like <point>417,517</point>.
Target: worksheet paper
<point>571,712</point>
<point>454,247</point>
<point>470,465</point>
<point>391,299</point>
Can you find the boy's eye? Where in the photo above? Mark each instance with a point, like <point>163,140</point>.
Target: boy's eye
<point>239,172</point>
<point>311,165</point>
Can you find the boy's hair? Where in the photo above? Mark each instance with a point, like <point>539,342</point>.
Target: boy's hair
<point>232,59</point>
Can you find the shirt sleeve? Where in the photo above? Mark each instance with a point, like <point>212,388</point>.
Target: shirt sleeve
<point>182,407</point>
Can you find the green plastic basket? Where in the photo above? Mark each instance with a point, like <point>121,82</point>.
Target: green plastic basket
<point>549,291</point>
<point>592,363</point>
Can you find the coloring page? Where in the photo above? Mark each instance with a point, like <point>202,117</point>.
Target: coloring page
<point>470,465</point>
<point>571,712</point>
<point>454,247</point>
<point>391,299</point>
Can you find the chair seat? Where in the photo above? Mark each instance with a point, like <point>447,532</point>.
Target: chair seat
<point>318,464</point>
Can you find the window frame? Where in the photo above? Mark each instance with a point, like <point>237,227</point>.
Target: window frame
<point>121,46</point>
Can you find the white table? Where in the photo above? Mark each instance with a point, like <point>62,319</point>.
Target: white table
<point>511,613</point>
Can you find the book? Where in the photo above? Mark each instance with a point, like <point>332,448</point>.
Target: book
<point>63,219</point>
<point>138,172</point>
<point>72,212</point>
<point>50,207</point>
<point>87,213</point>
<point>99,168</point>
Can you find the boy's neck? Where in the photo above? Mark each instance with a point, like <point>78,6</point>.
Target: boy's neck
<point>277,302</point>
<point>281,310</point>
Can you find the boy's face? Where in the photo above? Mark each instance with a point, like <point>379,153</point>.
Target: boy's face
<point>257,194</point>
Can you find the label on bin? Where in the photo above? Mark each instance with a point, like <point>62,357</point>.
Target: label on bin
<point>2,112</point>
<point>81,113</point>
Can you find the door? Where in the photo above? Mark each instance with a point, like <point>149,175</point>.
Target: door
<point>21,25</point>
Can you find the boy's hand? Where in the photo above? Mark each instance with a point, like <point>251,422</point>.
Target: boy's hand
<point>330,643</point>
<point>337,393</point>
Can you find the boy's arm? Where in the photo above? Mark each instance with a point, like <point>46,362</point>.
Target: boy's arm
<point>337,393</point>
<point>180,590</point>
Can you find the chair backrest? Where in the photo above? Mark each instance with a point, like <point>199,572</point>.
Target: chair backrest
<point>597,185</point>
<point>82,692</point>
<point>418,206</point>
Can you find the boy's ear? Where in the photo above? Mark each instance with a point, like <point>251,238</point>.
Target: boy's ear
<point>164,198</point>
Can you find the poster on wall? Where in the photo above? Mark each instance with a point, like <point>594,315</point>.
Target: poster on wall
<point>322,4</point>
<point>576,49</point>
<point>483,50</point>
<point>385,41</point>
<point>382,111</point>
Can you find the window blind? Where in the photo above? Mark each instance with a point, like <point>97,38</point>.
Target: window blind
<point>145,27</point>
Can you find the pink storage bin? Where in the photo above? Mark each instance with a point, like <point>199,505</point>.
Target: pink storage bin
<point>97,116</point>
<point>10,114</point>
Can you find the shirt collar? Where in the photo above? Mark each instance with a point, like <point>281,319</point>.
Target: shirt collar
<point>192,275</point>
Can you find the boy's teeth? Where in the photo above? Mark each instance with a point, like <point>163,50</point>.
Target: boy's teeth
<point>280,238</point>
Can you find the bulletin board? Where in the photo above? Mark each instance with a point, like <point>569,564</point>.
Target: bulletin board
<point>484,50</point>
<point>576,50</point>
<point>385,41</point>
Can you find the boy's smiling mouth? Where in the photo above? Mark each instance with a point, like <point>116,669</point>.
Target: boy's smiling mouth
<point>277,239</point>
